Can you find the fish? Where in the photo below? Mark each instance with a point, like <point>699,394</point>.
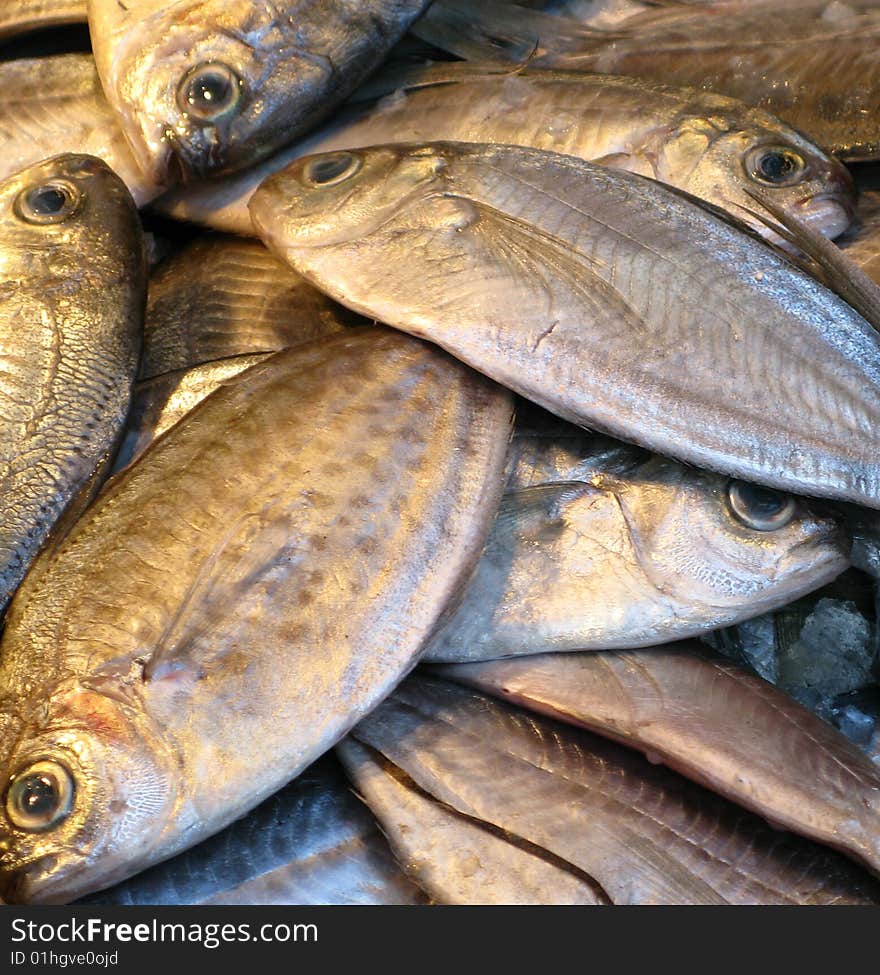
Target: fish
<point>633,557</point>
<point>23,16</point>
<point>610,300</point>
<point>202,86</point>
<point>72,294</point>
<point>705,144</point>
<point>253,577</point>
<point>55,105</point>
<point>312,842</point>
<point>223,296</point>
<point>862,242</point>
<point>814,65</point>
<point>644,834</point>
<point>712,722</point>
<point>456,859</point>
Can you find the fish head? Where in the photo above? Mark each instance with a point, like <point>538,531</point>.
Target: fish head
<point>84,786</point>
<point>337,197</point>
<point>727,165</point>
<point>204,87</point>
<point>71,204</point>
<point>741,549</point>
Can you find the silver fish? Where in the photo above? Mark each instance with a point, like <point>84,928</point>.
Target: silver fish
<point>455,859</point>
<point>72,292</point>
<point>203,86</point>
<point>602,296</point>
<point>708,145</point>
<point>311,843</point>
<point>644,834</point>
<point>242,582</point>
<point>712,722</point>
<point>223,296</point>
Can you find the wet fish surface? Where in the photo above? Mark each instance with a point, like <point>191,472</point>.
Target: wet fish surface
<point>711,146</point>
<point>816,65</point>
<point>204,86</point>
<point>456,859</point>
<point>712,722</point>
<point>55,104</point>
<point>606,298</point>
<point>72,293</point>
<point>223,296</point>
<point>596,548</point>
<point>644,834</point>
<point>23,16</point>
<point>143,657</point>
<point>311,843</point>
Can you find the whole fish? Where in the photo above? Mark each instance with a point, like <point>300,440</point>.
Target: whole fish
<point>72,292</point>
<point>814,65</point>
<point>221,297</point>
<point>709,145</point>
<point>23,16</point>
<point>158,403</point>
<point>202,86</point>
<point>604,297</point>
<point>456,859</point>
<point>712,722</point>
<point>311,843</point>
<point>253,578</point>
<point>629,559</point>
<point>644,834</point>
<point>55,104</point>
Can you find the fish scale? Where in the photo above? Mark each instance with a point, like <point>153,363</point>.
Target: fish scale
<point>194,571</point>
<point>643,833</point>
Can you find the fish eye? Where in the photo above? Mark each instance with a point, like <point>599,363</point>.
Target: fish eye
<point>39,797</point>
<point>51,202</point>
<point>775,165</point>
<point>210,91</point>
<point>760,508</point>
<point>333,168</point>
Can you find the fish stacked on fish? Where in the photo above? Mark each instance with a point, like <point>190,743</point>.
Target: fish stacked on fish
<point>307,501</point>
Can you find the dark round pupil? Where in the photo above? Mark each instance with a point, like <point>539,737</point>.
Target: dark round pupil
<point>38,795</point>
<point>210,90</point>
<point>48,201</point>
<point>776,166</point>
<point>762,501</point>
<point>325,170</point>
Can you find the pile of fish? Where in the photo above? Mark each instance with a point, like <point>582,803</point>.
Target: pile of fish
<point>440,452</point>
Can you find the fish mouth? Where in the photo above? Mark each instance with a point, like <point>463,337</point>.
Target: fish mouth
<point>830,214</point>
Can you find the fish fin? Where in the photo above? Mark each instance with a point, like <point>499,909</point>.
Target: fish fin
<point>247,550</point>
<point>835,268</point>
<point>536,254</point>
<point>496,31</point>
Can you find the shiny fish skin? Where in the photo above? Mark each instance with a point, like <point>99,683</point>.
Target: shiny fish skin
<point>696,141</point>
<point>712,722</point>
<point>311,843</point>
<point>23,16</point>
<point>71,310</point>
<point>455,859</point>
<point>602,296</point>
<point>616,561</point>
<point>643,833</point>
<point>55,104</point>
<point>158,403</point>
<point>292,63</point>
<point>242,582</point>
<point>814,65</point>
<point>221,297</point>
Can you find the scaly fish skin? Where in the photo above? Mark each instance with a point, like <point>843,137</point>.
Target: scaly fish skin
<point>205,86</point>
<point>711,146</point>
<point>72,293</point>
<point>604,297</point>
<point>243,582</point>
